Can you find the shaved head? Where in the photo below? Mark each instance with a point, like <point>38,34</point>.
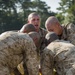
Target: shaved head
<point>27,28</point>
<point>51,36</point>
<point>35,36</point>
<point>52,24</point>
<point>51,20</point>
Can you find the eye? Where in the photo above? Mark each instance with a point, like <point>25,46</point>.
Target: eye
<point>38,19</point>
<point>33,19</point>
<point>51,30</point>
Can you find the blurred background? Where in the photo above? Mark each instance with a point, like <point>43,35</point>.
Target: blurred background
<point>14,13</point>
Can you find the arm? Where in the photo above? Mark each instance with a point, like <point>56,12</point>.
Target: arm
<point>31,58</point>
<point>46,62</point>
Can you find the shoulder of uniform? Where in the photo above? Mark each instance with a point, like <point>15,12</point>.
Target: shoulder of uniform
<point>70,25</point>
<point>43,30</point>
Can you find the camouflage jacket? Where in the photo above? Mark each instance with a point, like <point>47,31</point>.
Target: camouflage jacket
<point>42,32</point>
<point>59,55</point>
<point>69,33</point>
<point>17,47</point>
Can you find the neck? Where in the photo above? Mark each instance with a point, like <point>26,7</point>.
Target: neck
<point>37,30</point>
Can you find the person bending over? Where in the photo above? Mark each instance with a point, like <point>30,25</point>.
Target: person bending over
<point>16,47</point>
<point>58,55</point>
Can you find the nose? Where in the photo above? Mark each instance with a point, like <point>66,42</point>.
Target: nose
<point>36,20</point>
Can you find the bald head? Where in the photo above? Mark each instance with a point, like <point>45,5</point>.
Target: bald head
<point>35,36</point>
<point>52,24</point>
<point>51,20</point>
<point>51,36</point>
<point>27,28</point>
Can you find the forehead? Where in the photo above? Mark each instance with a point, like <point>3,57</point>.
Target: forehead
<point>49,25</point>
<point>33,16</point>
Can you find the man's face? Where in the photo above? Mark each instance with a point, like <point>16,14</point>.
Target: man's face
<point>54,28</point>
<point>35,20</point>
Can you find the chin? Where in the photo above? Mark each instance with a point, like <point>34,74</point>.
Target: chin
<point>37,27</point>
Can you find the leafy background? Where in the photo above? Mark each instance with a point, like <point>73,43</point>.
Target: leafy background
<point>14,13</point>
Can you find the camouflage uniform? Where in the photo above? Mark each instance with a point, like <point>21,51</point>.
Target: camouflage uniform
<point>42,32</point>
<point>59,55</point>
<point>68,33</point>
<point>47,59</point>
<point>14,48</point>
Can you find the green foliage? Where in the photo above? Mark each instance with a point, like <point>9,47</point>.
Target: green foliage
<point>67,8</point>
<point>60,17</point>
<point>14,13</point>
<point>69,19</point>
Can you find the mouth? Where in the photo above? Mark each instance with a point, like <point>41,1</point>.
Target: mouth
<point>36,25</point>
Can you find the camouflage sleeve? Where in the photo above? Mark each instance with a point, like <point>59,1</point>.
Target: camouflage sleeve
<point>42,34</point>
<point>12,44</point>
<point>31,58</point>
<point>71,33</point>
<point>46,62</point>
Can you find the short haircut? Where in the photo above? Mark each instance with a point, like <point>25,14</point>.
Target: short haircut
<point>34,34</point>
<point>27,28</point>
<point>51,36</point>
<point>51,20</point>
<point>33,14</point>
